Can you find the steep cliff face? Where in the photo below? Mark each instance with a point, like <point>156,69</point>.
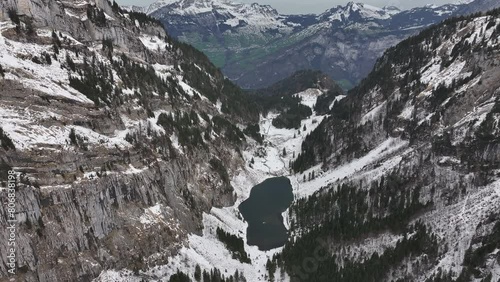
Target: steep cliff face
<point>118,135</point>
<point>71,17</point>
<point>130,153</point>
<point>416,143</point>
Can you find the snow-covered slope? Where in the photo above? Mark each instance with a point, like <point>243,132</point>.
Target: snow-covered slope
<point>357,11</point>
<point>424,122</point>
<point>225,12</point>
<point>130,154</point>
<point>401,130</point>
<point>392,134</point>
<point>115,132</point>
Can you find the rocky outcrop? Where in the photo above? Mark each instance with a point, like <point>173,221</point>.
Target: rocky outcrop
<point>103,181</point>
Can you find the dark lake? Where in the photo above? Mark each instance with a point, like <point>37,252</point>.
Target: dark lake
<point>263,209</point>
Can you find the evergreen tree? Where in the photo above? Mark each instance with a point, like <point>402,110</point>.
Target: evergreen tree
<point>30,27</point>
<point>197,273</point>
<point>234,244</point>
<point>72,137</point>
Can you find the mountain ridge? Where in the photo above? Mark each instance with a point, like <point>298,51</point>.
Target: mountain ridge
<point>432,105</point>
<point>252,49</point>
<point>132,152</point>
<point>117,134</point>
<point>397,181</point>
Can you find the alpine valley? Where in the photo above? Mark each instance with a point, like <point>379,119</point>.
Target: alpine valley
<point>131,154</point>
<point>255,46</point>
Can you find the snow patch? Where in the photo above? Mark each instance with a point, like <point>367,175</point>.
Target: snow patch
<point>385,149</point>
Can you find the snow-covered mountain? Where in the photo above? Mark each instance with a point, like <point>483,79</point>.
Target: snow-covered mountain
<point>397,181</point>
<point>416,142</point>
<point>255,46</point>
<point>130,150</point>
<point>354,12</point>
<point>223,12</point>
<point>120,138</point>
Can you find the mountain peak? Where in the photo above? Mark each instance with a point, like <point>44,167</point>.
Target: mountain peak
<point>151,8</point>
<point>194,7</point>
<point>352,5</point>
<point>355,11</point>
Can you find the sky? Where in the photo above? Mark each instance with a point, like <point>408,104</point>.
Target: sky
<point>315,6</point>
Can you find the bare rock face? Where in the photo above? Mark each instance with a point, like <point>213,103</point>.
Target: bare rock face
<point>100,222</point>
<point>71,17</point>
<point>104,180</point>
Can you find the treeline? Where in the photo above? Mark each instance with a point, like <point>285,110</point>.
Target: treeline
<point>214,275</point>
<point>349,212</point>
<point>191,134</point>
<point>227,129</point>
<point>399,68</point>
<point>316,141</point>
<point>280,97</point>
<point>189,129</point>
<point>197,70</point>
<point>95,82</point>
<point>324,101</point>
<point>471,152</point>
<point>234,244</point>
<point>417,240</point>
<point>202,75</point>
<point>186,125</point>
<point>297,82</point>
<point>147,81</point>
<point>293,116</point>
<point>220,168</point>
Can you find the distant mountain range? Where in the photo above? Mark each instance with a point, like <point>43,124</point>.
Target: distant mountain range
<point>256,46</point>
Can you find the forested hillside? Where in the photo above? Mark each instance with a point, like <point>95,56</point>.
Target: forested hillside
<point>428,208</point>
<point>132,152</point>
